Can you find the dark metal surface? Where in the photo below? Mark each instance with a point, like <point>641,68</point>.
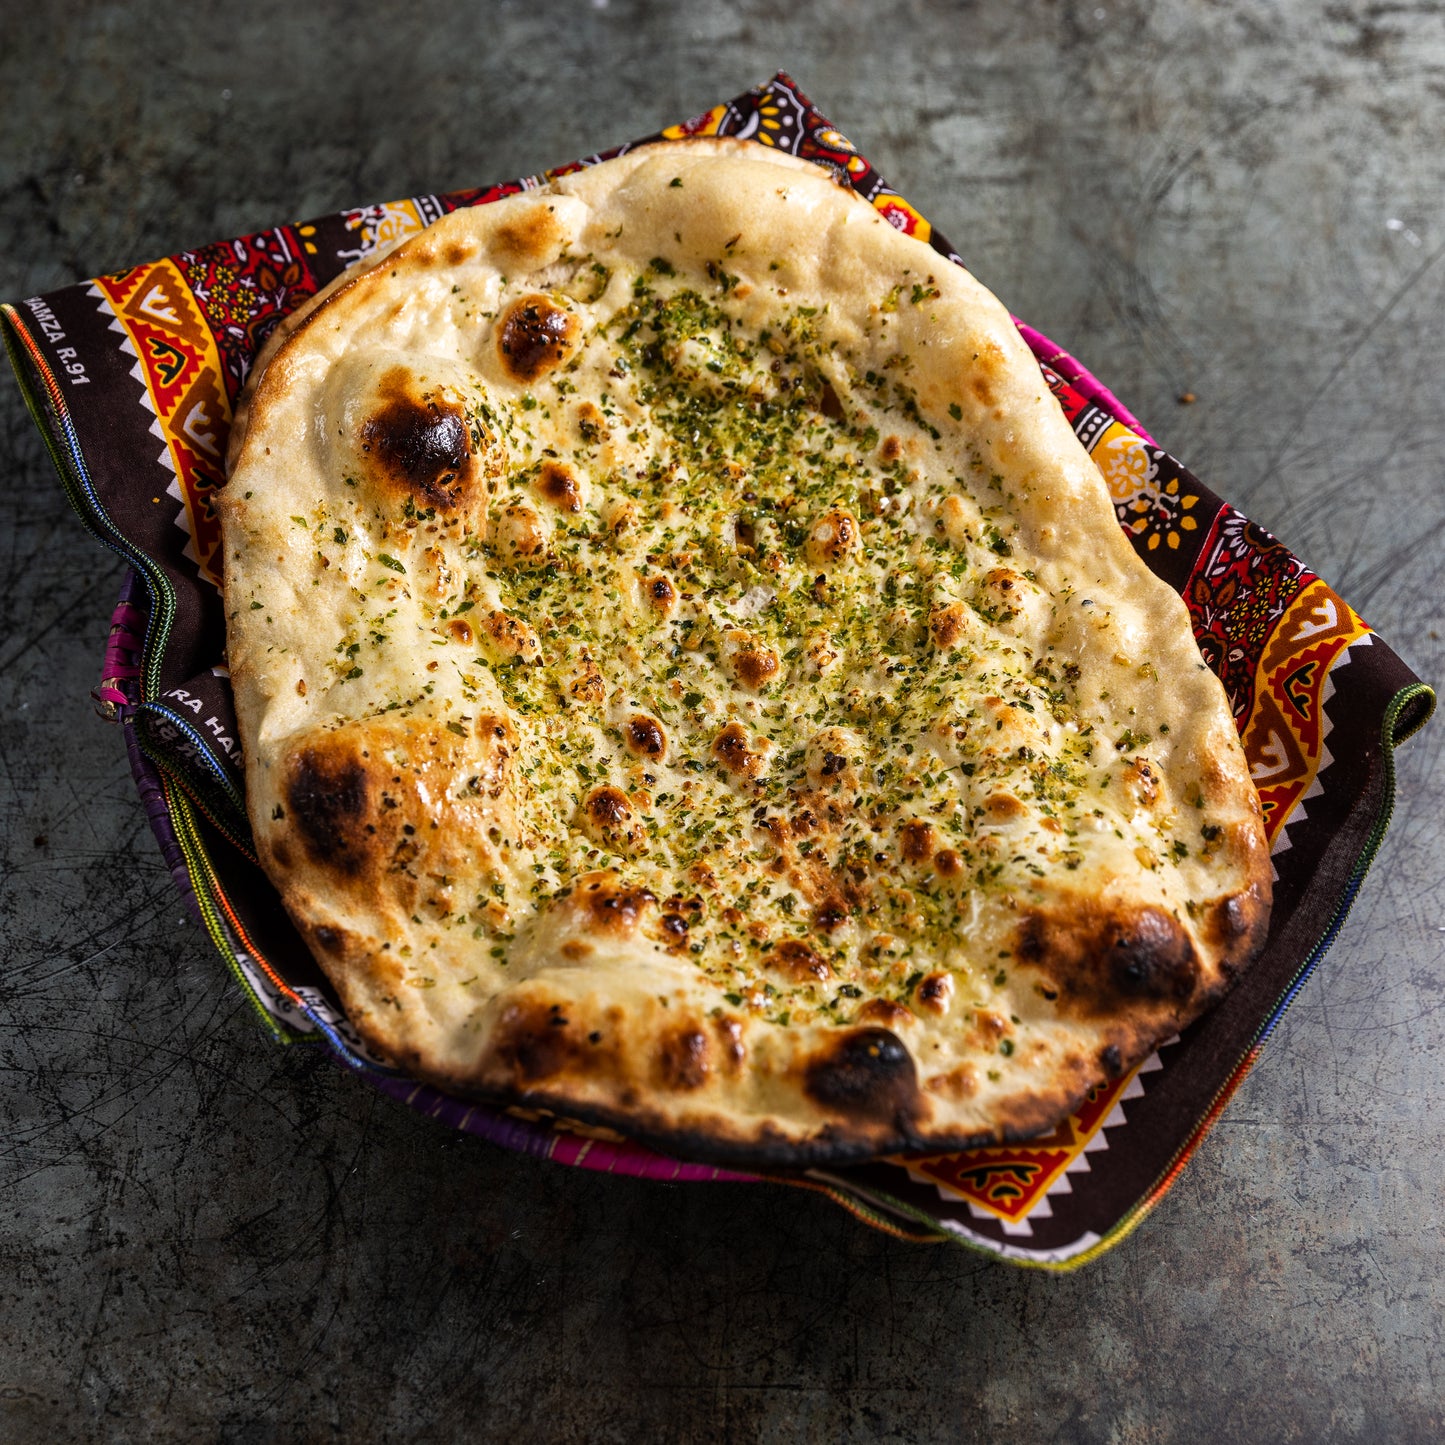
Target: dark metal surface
<point>204,1237</point>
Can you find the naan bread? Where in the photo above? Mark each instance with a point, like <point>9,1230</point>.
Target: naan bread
<point>691,680</point>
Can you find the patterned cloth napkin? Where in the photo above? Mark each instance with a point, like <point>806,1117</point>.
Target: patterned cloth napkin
<point>132,378</point>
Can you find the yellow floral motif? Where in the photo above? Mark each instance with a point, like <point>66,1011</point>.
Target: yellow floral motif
<point>1180,520</point>
<point>770,121</point>
<point>381,226</point>
<point>1131,473</point>
<point>704,124</point>
<point>1125,462</point>
<point>897,212</point>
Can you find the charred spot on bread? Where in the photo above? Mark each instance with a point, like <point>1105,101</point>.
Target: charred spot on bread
<point>948,864</point>
<point>684,1058</point>
<point>418,443</point>
<point>608,805</point>
<point>1102,957</point>
<point>328,796</point>
<point>1140,777</point>
<point>609,818</point>
<point>645,736</point>
<point>558,485</point>
<point>661,594</point>
<point>535,336</point>
<point>732,748</point>
<point>753,662</point>
<point>948,624</point>
<point>866,1075</point>
<point>506,638</point>
<point>885,1011</point>
<point>1236,925</point>
<point>918,839</point>
<point>800,963</point>
<point>535,1041</point>
<point>832,538</point>
<point>368,800</point>
<point>611,905</point>
<point>334,940</point>
<point>832,912</point>
<point>1003,807</point>
<point>587,684</point>
<point>935,992</point>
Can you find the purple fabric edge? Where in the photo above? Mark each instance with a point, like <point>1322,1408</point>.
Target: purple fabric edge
<point>522,1136</point>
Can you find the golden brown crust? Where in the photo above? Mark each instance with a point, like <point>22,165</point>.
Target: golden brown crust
<point>654,720</point>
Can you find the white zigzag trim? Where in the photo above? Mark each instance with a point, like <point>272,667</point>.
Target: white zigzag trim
<point>1064,1253</point>
<point>1042,1208</point>
<point>1299,812</point>
<point>183,516</point>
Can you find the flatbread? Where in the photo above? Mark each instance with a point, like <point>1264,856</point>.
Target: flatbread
<point>691,680</point>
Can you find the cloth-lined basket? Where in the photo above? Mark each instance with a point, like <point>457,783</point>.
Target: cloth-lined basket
<point>132,379</point>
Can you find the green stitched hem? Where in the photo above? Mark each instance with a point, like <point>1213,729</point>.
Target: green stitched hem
<point>46,405</point>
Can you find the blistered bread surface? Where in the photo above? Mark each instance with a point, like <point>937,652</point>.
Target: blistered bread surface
<point>691,679</point>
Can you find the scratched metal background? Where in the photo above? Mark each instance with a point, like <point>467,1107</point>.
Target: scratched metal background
<point>205,1238</point>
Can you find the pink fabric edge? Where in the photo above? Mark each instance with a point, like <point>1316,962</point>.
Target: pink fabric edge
<point>1080,378</point>
<point>122,652</point>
